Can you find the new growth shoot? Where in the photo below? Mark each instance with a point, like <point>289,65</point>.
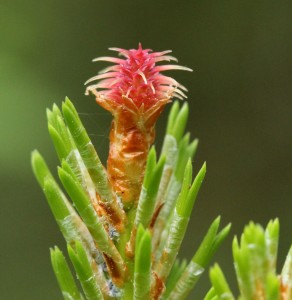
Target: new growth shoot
<point>124,222</point>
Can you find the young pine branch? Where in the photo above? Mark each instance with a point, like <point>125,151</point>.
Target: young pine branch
<point>124,222</point>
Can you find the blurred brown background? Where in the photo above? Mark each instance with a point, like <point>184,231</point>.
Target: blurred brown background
<point>240,97</point>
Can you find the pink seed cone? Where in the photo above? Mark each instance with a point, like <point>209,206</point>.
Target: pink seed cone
<point>135,92</point>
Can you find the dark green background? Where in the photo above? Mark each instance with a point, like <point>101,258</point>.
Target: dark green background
<point>240,98</point>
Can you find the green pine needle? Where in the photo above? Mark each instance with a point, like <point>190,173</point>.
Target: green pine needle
<point>87,151</point>
<point>64,276</point>
<point>220,284</point>
<point>150,188</point>
<point>172,117</point>
<point>180,122</point>
<point>202,255</point>
<point>142,274</point>
<point>176,272</point>
<point>40,168</point>
<point>186,202</point>
<point>179,220</point>
<point>90,218</point>
<point>82,265</point>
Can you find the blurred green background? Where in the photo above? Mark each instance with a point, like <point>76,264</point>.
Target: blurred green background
<point>240,97</point>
